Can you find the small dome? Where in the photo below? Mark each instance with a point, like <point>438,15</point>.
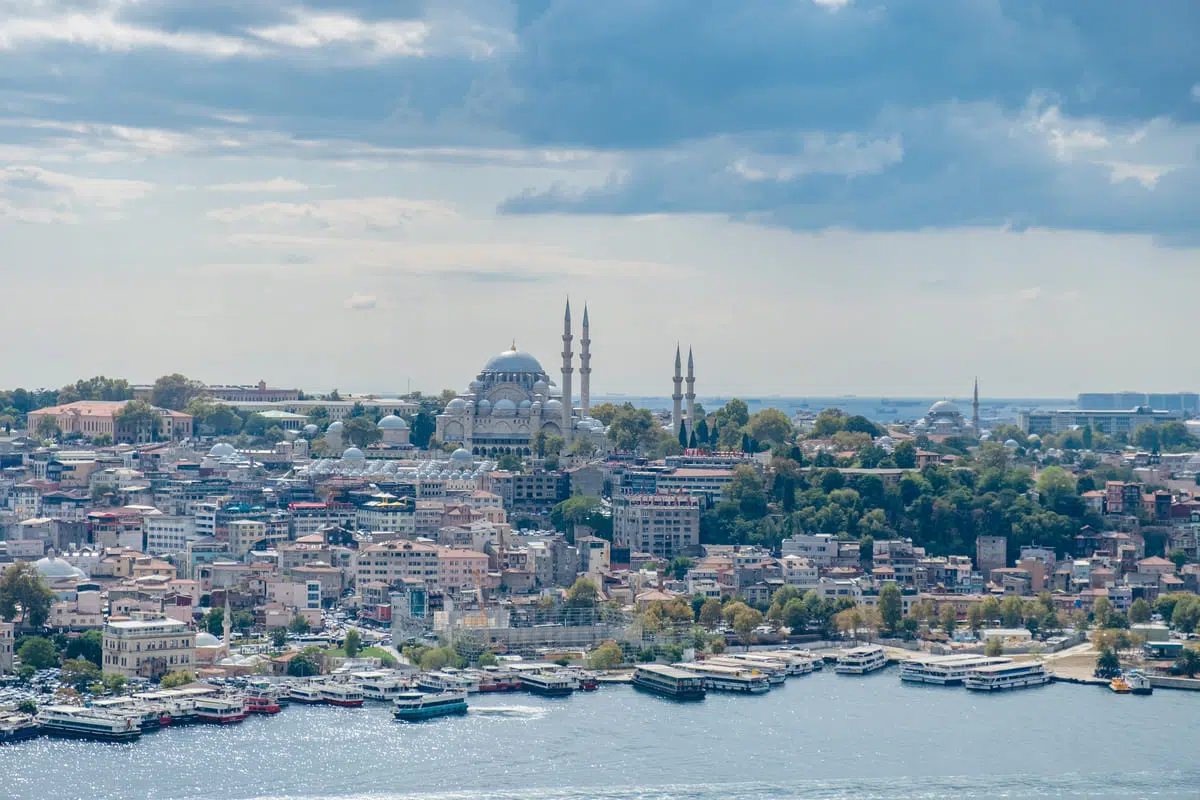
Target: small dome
<point>311,430</point>
<point>457,405</point>
<point>553,405</point>
<point>1011,444</point>
<point>525,405</point>
<point>943,408</point>
<point>335,427</point>
<point>540,386</point>
<point>222,450</point>
<point>484,406</point>
<point>1033,437</point>
<point>353,454</point>
<point>536,406</point>
<point>461,456</point>
<point>57,568</point>
<point>504,406</point>
<point>393,423</point>
<point>206,639</point>
<point>475,385</point>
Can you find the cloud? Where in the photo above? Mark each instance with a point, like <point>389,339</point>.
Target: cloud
<point>309,30</point>
<point>360,302</point>
<point>32,194</point>
<point>343,214</point>
<point>1030,294</point>
<point>271,185</point>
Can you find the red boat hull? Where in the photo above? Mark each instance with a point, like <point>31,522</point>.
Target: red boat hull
<point>345,703</point>
<point>263,708</point>
<point>220,720</point>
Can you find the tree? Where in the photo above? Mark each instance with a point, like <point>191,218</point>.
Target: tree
<point>88,645</point>
<point>582,446</point>
<point>680,566</point>
<point>1053,485</point>
<point>361,431</point>
<point>580,510</point>
<point>583,594</point>
<point>114,683</point>
<point>303,666</point>
<point>974,618</point>
<point>255,425</point>
<point>138,420</point>
<point>279,638</point>
<point>683,436</point>
<point>607,656</point>
<point>274,434</point>
<point>1186,615</point>
<point>1178,557</point>
<point>1188,662</point>
<point>487,659</point>
<point>632,428</point>
<point>710,613</point>
<point>299,625</point>
<point>436,658</point>
<point>828,422</point>
<point>27,707</point>
<point>174,680</point>
<point>905,455</point>
<point>80,673</point>
<point>1139,611</point>
<point>214,621</point>
<point>174,392</point>
<point>605,413</point>
<point>47,428</point>
<point>1012,612</point>
<point>948,618</point>
<point>771,425</point>
<point>745,622</point>
<point>216,419</point>
<point>243,621</point>
<point>891,607</point>
<point>38,652</point>
<point>353,643</point>
<point>746,490</point>
<point>994,648</point>
<point>1101,608</point>
<point>23,591</point>
<point>510,462</point>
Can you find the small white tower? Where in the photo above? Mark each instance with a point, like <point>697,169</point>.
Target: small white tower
<point>567,369</point>
<point>585,367</point>
<point>691,395</point>
<point>677,395</point>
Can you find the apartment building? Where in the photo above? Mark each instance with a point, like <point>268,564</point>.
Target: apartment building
<point>661,525</point>
<point>147,646</point>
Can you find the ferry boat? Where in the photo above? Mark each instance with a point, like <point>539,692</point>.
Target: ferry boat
<point>944,670</point>
<point>382,685</point>
<point>793,663</point>
<point>447,681</point>
<point>776,673</point>
<point>414,706</point>
<point>16,727</point>
<point>75,722</point>
<point>1119,685</point>
<point>261,700</point>
<point>344,695</point>
<point>220,710</point>
<point>548,684</point>
<point>150,715</point>
<point>1138,682</point>
<point>308,693</point>
<point>996,677</point>
<point>719,678</point>
<point>676,684</point>
<point>587,682</point>
<point>861,660</point>
<point>492,679</point>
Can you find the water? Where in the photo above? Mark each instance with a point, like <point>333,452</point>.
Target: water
<point>820,736</point>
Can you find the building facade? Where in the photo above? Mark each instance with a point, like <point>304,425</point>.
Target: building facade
<point>94,418</point>
<point>147,646</point>
<point>661,525</point>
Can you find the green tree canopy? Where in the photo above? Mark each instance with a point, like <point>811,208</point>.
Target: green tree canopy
<point>140,419</point>
<point>891,607</point>
<point>175,391</point>
<point>607,656</point>
<point>88,646</point>
<point>583,594</point>
<point>360,431</point>
<point>38,652</point>
<point>770,425</point>
<point>352,643</point>
<point>24,596</point>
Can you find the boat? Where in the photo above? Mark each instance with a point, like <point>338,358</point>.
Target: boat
<point>720,678</point>
<point>944,670</point>
<point>676,684</point>
<point>16,727</point>
<point>308,693</point>
<point>414,706</point>
<point>996,677</point>
<point>492,679</point>
<point>151,715</point>
<point>447,681</point>
<point>261,701</point>
<point>76,722</point>
<point>587,682</point>
<point>381,685</point>
<point>1138,682</point>
<point>861,660</point>
<point>220,710</point>
<point>548,684</point>
<point>776,673</point>
<point>1119,685</point>
<point>343,695</point>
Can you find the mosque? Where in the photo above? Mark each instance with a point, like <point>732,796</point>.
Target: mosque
<point>944,418</point>
<point>512,398</point>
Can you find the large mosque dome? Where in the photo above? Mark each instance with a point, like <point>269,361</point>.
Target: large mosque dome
<point>392,423</point>
<point>206,639</point>
<point>53,569</point>
<point>514,360</point>
<point>943,408</point>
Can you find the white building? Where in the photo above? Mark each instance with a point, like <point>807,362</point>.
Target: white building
<point>168,534</point>
<point>820,548</point>
<point>393,516</point>
<point>662,525</point>
<point>147,646</point>
<point>800,572</point>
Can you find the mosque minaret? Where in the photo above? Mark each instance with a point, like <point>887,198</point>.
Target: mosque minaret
<point>567,369</point>
<point>691,395</point>
<point>585,368</point>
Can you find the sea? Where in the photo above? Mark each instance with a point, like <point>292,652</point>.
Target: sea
<point>819,736</point>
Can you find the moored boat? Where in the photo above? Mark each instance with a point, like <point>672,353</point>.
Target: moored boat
<point>944,670</point>
<point>671,682</point>
<point>1119,685</point>
<point>1138,682</point>
<point>220,710</point>
<point>997,677</point>
<point>75,722</point>
<point>384,684</point>
<point>548,684</point>
<point>307,693</point>
<point>720,678</point>
<point>493,679</point>
<point>415,706</point>
<point>17,727</point>
<point>343,695</point>
<point>861,660</point>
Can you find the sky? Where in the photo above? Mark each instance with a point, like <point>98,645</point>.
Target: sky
<point>820,197</point>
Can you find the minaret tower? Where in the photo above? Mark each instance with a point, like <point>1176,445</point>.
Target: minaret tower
<point>567,369</point>
<point>585,368</point>
<point>228,623</point>
<point>691,394</point>
<point>975,408</point>
<point>677,396</point>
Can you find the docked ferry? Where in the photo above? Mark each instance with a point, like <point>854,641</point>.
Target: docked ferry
<point>676,684</point>
<point>448,681</point>
<point>344,695</point>
<point>75,722</point>
<point>776,673</point>
<point>414,706</point>
<point>16,727</point>
<point>996,677</point>
<point>492,679</point>
<point>548,684</point>
<point>719,678</point>
<point>944,670</point>
<point>220,710</point>
<point>261,698</point>
<point>861,660</point>
<point>308,693</point>
<point>1138,682</point>
<point>382,684</point>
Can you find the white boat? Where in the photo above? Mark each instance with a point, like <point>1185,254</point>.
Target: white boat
<point>220,710</point>
<point>447,681</point>
<point>996,677</point>
<point>549,684</point>
<point>345,695</point>
<point>75,722</point>
<point>309,693</point>
<point>1138,682</point>
<point>861,660</point>
<point>944,670</point>
<point>720,678</point>
<point>381,685</point>
<point>776,672</point>
<point>414,706</point>
<point>16,727</point>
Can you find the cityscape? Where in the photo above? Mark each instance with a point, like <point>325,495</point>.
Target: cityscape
<point>567,400</point>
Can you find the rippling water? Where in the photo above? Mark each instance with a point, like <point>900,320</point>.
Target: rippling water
<point>820,736</point>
